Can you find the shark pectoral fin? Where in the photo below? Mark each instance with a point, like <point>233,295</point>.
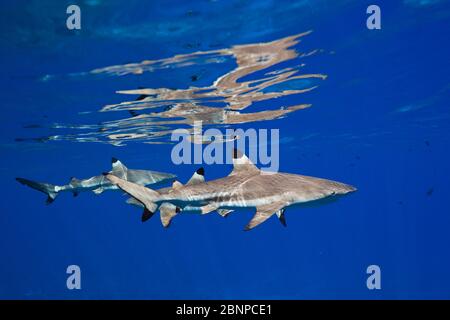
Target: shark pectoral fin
<point>197,177</point>
<point>281,217</point>
<point>134,202</point>
<point>208,208</point>
<point>224,212</point>
<point>167,212</point>
<point>98,190</point>
<point>263,213</point>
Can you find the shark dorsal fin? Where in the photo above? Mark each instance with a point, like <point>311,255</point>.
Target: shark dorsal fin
<point>176,184</point>
<point>242,164</point>
<point>197,177</point>
<point>74,180</point>
<point>118,168</point>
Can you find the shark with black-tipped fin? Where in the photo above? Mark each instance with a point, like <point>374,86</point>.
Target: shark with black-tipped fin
<point>98,184</point>
<point>245,186</point>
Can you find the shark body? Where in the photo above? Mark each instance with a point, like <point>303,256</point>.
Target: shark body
<point>245,186</point>
<point>100,183</point>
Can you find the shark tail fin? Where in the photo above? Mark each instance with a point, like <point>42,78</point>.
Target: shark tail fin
<point>49,189</point>
<point>144,195</point>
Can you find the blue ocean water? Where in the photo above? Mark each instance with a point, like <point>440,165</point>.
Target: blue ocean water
<point>379,121</point>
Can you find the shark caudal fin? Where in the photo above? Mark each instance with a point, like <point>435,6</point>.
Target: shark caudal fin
<point>49,189</point>
<point>144,195</point>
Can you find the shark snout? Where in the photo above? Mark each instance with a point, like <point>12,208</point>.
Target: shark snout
<point>346,188</point>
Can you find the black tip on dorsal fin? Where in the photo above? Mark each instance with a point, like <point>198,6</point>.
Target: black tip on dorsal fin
<point>177,209</point>
<point>147,214</point>
<point>105,173</point>
<point>114,160</point>
<point>283,220</point>
<point>201,171</point>
<point>237,154</point>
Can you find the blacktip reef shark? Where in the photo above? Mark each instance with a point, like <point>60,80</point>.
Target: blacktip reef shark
<point>245,186</point>
<point>98,184</point>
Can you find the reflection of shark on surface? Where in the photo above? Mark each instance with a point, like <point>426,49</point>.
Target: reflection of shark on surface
<point>245,186</point>
<point>98,184</point>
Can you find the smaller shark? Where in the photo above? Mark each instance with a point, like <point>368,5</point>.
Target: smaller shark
<point>98,184</point>
<point>245,186</point>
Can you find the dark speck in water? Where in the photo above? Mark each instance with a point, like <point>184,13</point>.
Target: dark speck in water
<point>133,113</point>
<point>32,126</point>
<point>430,192</point>
<point>43,139</point>
<point>191,45</point>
